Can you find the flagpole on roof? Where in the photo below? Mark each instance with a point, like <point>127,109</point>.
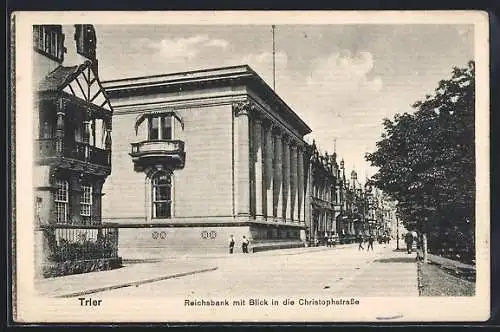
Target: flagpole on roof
<point>274,60</point>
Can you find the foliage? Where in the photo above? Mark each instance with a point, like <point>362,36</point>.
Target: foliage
<point>82,250</point>
<point>426,159</point>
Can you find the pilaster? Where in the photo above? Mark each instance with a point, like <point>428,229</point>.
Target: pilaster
<point>293,183</point>
<point>242,158</point>
<point>278,177</point>
<point>258,167</point>
<point>286,179</point>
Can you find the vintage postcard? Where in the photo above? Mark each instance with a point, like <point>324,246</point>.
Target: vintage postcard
<point>250,166</point>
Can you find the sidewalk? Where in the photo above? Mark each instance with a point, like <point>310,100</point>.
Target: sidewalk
<point>129,275</point>
<point>389,273</point>
<point>137,273</point>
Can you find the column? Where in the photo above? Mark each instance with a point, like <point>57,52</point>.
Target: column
<point>108,141</point>
<point>242,159</point>
<point>286,179</point>
<point>60,131</point>
<point>86,135</point>
<point>258,153</point>
<point>269,173</point>
<point>307,192</point>
<point>300,183</point>
<point>294,183</point>
<point>278,178</point>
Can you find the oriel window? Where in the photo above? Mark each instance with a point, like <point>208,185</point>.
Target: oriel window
<point>162,195</point>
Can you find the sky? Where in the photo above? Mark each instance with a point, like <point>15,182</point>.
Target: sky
<point>342,80</point>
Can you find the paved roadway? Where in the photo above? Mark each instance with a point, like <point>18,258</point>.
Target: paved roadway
<point>306,271</point>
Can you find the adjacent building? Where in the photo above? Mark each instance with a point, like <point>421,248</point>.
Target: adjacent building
<point>202,155</point>
<point>72,129</point>
<point>324,196</point>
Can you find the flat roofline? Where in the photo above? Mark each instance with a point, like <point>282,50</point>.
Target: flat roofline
<point>201,75</point>
<point>190,73</point>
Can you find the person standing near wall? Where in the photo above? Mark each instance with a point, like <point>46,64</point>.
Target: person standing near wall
<point>244,245</point>
<point>231,244</point>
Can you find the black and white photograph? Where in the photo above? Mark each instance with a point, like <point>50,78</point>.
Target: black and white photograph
<point>251,166</point>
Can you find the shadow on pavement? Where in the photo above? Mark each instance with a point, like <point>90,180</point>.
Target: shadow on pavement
<point>399,250</point>
<point>396,260</point>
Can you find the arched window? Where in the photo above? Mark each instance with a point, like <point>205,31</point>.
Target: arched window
<point>61,201</point>
<point>162,195</point>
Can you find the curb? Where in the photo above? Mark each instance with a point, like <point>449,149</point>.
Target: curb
<point>420,283</point>
<point>135,283</point>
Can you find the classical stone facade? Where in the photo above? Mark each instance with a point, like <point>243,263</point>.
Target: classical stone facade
<point>199,156</point>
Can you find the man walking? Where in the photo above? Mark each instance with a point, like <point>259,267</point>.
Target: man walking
<point>231,244</point>
<point>409,242</point>
<point>360,241</point>
<point>370,242</point>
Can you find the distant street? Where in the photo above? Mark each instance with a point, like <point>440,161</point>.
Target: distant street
<point>308,271</point>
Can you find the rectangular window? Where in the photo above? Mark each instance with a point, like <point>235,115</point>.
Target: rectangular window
<point>86,202</point>
<point>160,128</point>
<point>153,129</point>
<point>61,201</point>
<point>166,126</point>
<point>49,39</point>
<point>78,130</point>
<point>162,195</point>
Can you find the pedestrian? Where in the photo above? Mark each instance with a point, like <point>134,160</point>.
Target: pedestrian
<point>360,241</point>
<point>420,253</point>
<point>244,245</point>
<point>409,242</point>
<point>370,242</point>
<point>231,244</point>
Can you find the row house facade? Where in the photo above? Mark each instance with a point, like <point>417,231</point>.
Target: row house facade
<point>202,155</point>
<point>72,153</point>
<point>355,212</point>
<point>324,195</point>
<point>385,209</point>
<point>339,207</point>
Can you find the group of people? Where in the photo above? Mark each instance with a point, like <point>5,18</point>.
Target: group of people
<point>362,240</point>
<point>384,239</point>
<point>412,240</point>
<point>329,241</point>
<point>244,244</point>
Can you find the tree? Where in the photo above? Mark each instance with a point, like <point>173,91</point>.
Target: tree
<point>426,161</point>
